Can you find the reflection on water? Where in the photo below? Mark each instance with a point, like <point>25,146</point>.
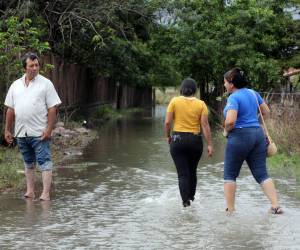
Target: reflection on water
<point>126,197</point>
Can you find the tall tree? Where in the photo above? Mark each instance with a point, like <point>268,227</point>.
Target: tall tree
<point>213,36</point>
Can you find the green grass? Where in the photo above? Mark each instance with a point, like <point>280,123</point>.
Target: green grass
<point>106,113</point>
<point>11,168</point>
<point>282,160</point>
<point>286,165</point>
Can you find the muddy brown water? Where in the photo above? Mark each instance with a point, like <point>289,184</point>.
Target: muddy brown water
<point>122,193</point>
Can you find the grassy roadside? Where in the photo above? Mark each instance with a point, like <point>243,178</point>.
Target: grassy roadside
<point>287,168</point>
<point>11,169</point>
<point>285,165</point>
<point>284,128</point>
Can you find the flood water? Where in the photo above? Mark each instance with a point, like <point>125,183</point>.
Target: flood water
<point>122,193</point>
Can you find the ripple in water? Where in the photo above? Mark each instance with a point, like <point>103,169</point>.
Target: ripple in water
<point>130,200</point>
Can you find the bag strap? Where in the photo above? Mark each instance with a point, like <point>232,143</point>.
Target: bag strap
<point>262,118</point>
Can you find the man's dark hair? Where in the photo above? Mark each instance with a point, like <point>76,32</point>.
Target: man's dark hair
<point>32,56</point>
<point>188,87</point>
<point>237,77</point>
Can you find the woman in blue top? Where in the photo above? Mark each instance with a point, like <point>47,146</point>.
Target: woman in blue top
<point>246,139</point>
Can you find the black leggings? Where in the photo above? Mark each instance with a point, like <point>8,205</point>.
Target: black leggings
<point>186,150</point>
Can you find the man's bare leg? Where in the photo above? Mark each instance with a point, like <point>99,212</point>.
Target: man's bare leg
<point>29,174</point>
<point>47,179</point>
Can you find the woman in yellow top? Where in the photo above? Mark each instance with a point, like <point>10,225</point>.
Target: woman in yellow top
<point>188,115</point>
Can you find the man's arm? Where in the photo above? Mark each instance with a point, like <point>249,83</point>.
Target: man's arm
<point>207,134</point>
<point>9,121</point>
<point>51,122</point>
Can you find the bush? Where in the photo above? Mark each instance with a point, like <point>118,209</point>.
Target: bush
<point>104,112</point>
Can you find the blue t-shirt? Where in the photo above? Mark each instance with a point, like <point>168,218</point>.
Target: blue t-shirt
<point>244,101</point>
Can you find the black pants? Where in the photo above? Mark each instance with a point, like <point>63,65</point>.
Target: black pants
<point>186,150</point>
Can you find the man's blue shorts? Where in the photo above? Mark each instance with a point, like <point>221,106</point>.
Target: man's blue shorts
<point>34,149</point>
<point>246,144</point>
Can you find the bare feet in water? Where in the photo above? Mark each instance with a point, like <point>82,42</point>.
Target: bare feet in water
<point>29,196</point>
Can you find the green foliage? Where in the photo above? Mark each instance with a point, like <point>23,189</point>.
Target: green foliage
<point>104,112</point>
<point>212,37</point>
<point>165,69</point>
<point>108,36</point>
<point>157,42</point>
<point>16,37</point>
<point>112,38</point>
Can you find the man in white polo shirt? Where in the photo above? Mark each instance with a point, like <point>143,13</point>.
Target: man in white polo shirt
<point>31,106</point>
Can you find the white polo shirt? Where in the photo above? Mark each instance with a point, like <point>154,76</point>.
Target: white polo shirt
<point>31,104</point>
